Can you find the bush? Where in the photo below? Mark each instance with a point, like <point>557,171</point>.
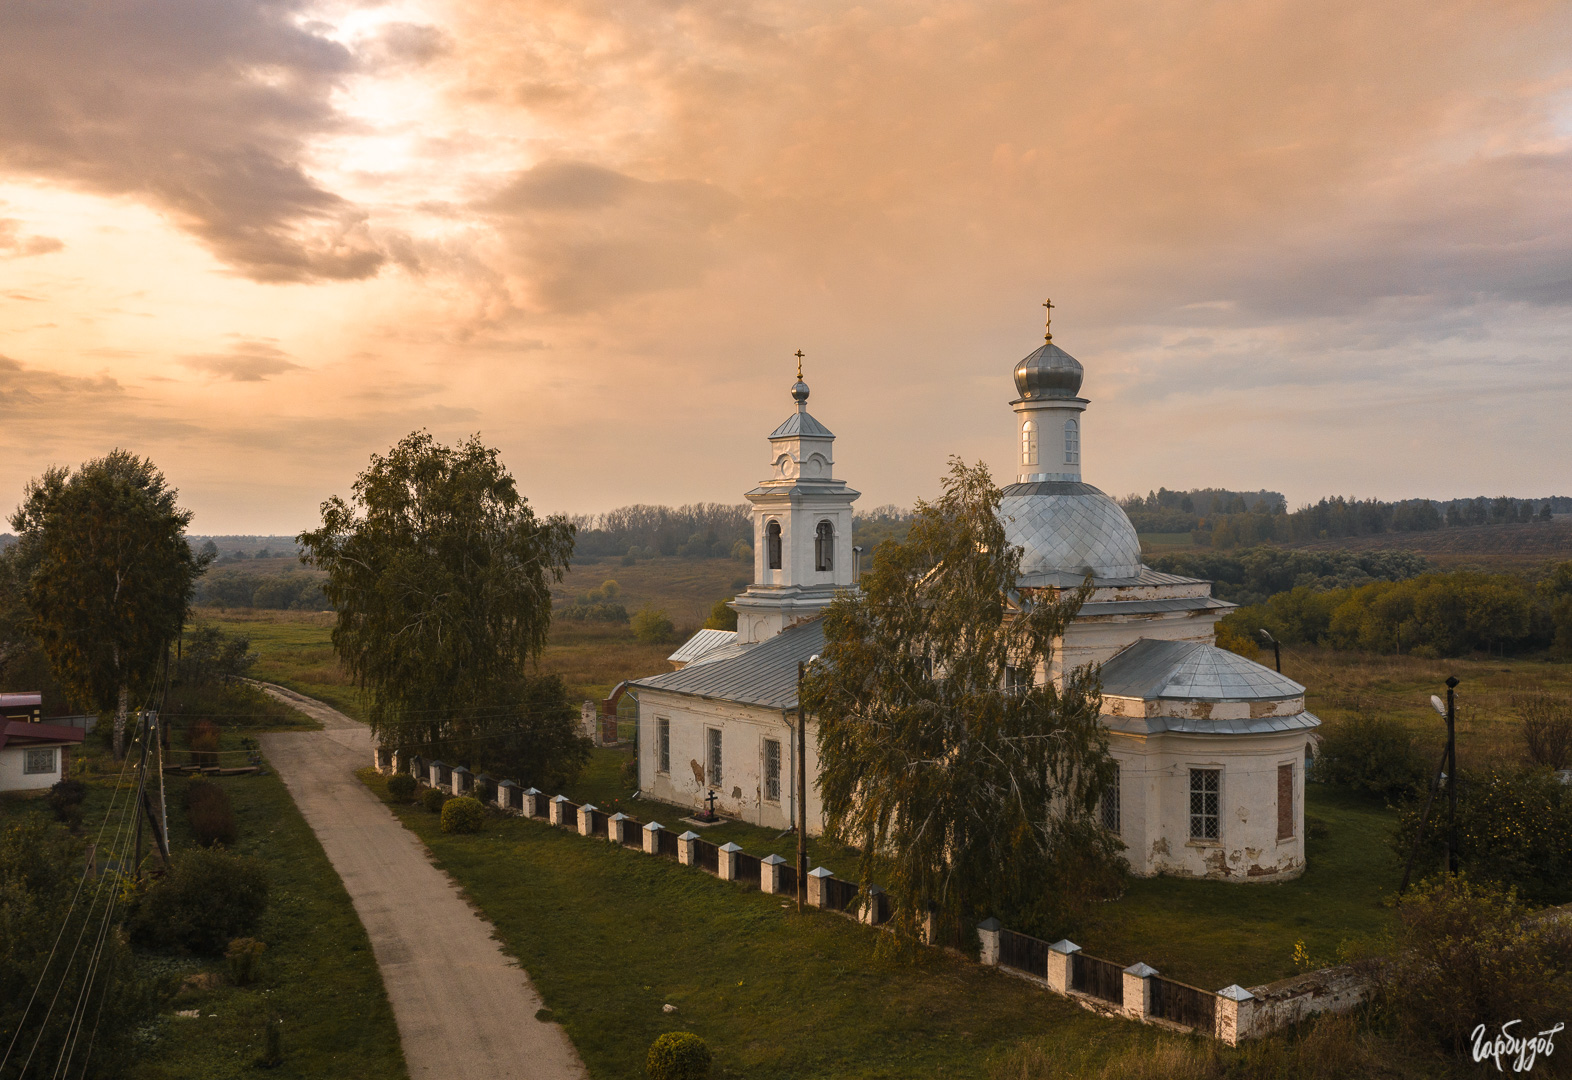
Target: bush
<point>678,1055</point>
<point>1547,730</point>
<point>1371,753</point>
<point>651,626</point>
<point>244,955</point>
<point>210,813</point>
<point>202,738</point>
<point>463,815</point>
<point>433,798</point>
<point>208,898</point>
<point>65,799</point>
<point>401,787</point>
<point>721,617</point>
<point>1467,955</point>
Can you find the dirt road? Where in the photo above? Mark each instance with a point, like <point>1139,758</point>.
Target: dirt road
<point>465,1011</point>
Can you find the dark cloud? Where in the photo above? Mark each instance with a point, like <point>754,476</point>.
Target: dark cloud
<point>28,393</point>
<point>586,235</point>
<point>248,361</point>
<point>410,44</point>
<point>202,108</point>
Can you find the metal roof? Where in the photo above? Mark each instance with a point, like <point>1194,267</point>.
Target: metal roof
<point>1153,607</point>
<point>701,643</point>
<point>1065,579</point>
<point>761,674</point>
<point>1191,671</point>
<point>22,698</point>
<point>1191,725</point>
<point>1082,533</point>
<point>800,423</point>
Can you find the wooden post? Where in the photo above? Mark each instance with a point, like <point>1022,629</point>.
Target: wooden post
<point>802,795</point>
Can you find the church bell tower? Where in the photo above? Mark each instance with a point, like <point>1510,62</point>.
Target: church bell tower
<point>802,528</point>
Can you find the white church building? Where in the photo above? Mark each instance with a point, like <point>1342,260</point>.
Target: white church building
<point>1210,746</point>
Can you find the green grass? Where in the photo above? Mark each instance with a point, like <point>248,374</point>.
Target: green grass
<point>294,649</point>
<point>318,974</point>
<point>1214,933</point>
<point>610,935</point>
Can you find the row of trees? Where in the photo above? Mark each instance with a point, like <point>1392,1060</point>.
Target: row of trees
<point>295,591</point>
<point>697,529</point>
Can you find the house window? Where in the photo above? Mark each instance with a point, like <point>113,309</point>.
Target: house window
<point>1017,680</point>
<point>39,761</point>
<point>663,745</point>
<point>772,770</point>
<point>1029,443</point>
<point>772,544</point>
<point>824,547</point>
<point>1285,802</point>
<point>715,757</point>
<point>1204,804</point>
<point>1111,805</point>
<point>1072,443</point>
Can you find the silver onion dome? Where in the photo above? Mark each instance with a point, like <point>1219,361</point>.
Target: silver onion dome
<point>1049,372</point>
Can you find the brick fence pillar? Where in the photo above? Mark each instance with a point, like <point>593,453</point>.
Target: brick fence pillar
<point>587,819</point>
<point>652,833</point>
<point>1235,1014</point>
<point>559,810</point>
<point>988,942</point>
<point>1059,962</point>
<point>816,878</point>
<point>770,874</point>
<point>726,862</point>
<point>687,848</point>
<point>1138,990</point>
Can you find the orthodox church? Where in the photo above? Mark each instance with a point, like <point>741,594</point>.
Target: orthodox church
<point>1210,746</point>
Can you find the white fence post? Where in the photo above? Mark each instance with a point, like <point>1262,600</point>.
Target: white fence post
<point>587,819</point>
<point>505,789</point>
<point>559,810</point>
<point>1235,1014</point>
<point>726,862</point>
<point>816,878</point>
<point>1138,990</point>
<point>770,873</point>
<point>652,833</point>
<point>1059,962</point>
<point>686,851</point>
<point>988,939</point>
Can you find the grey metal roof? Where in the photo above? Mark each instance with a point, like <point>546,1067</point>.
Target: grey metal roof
<point>1190,671</point>
<point>762,674</point>
<point>800,423</point>
<point>702,643</point>
<point>1081,533</point>
<point>1065,579</point>
<point>1190,725</point>
<point>1153,607</point>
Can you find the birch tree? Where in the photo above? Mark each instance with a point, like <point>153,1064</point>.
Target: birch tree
<point>967,780</point>
<point>108,577</point>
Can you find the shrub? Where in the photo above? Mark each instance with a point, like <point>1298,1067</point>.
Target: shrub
<point>721,617</point>
<point>1467,954</point>
<point>401,787</point>
<point>202,738</point>
<point>433,798</point>
<point>1236,642</point>
<point>1371,753</point>
<point>208,898</point>
<point>244,955</point>
<point>678,1055</point>
<point>65,799</point>
<point>463,815</point>
<point>651,626</point>
<point>1547,730</point>
<point>210,813</point>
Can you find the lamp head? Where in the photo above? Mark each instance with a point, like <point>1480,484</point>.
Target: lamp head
<point>1452,681</point>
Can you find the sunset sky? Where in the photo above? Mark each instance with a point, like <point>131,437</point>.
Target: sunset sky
<point>1321,248</point>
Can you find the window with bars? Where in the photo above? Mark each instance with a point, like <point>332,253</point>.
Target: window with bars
<point>715,756</point>
<point>1204,815</point>
<point>39,761</point>
<point>772,544</point>
<point>772,770</point>
<point>1029,443</point>
<point>1072,442</point>
<point>1111,805</point>
<point>663,745</point>
<point>1017,680</point>
<point>824,547</point>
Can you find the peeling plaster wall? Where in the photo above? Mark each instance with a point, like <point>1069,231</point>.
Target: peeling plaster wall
<point>744,729</point>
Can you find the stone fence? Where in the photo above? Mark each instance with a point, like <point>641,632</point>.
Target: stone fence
<point>1135,992</point>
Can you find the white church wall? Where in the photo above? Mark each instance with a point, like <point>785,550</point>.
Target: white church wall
<point>1155,804</point>
<point>744,729</point>
<point>1097,640</point>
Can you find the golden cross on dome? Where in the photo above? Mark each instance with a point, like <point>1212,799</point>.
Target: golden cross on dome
<point>799,365</point>
<point>1048,329</point>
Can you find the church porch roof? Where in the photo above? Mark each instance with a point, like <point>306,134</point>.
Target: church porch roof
<point>1191,671</point>
<point>764,674</point>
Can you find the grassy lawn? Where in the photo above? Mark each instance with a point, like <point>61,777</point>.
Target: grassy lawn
<point>609,936</point>
<point>685,589</point>
<point>318,975</point>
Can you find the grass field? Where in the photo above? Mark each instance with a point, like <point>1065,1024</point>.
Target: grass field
<point>609,936</point>
<point>318,975</point>
<point>685,589</point>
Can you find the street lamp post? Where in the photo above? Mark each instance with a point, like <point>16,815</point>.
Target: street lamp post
<point>1277,649</point>
<point>1451,773</point>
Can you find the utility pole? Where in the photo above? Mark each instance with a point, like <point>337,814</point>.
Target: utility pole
<point>1451,773</point>
<point>802,794</point>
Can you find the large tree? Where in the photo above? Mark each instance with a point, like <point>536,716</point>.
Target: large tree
<point>967,783</point>
<point>441,575</point>
<point>107,577</point>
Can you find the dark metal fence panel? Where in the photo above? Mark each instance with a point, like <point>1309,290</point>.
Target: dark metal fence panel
<point>570,815</point>
<point>668,843</point>
<point>542,807</point>
<point>1183,1004</point>
<point>747,868</point>
<point>839,895</point>
<point>882,908</point>
<point>598,823</point>
<point>788,880</point>
<point>1023,953</point>
<point>515,798</point>
<point>633,834</point>
<point>707,855</point>
<point>1099,978</point>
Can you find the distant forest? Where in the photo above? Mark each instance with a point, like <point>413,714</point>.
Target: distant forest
<point>1220,518</point>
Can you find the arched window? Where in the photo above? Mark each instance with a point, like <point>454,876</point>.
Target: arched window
<point>772,544</point>
<point>1029,443</point>
<point>1072,443</point>
<point>824,546</point>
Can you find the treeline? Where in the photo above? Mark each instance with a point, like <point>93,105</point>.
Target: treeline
<point>1253,575</point>
<point>1431,615</point>
<point>1221,518</point>
<point>297,591</point>
<point>696,530</point>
